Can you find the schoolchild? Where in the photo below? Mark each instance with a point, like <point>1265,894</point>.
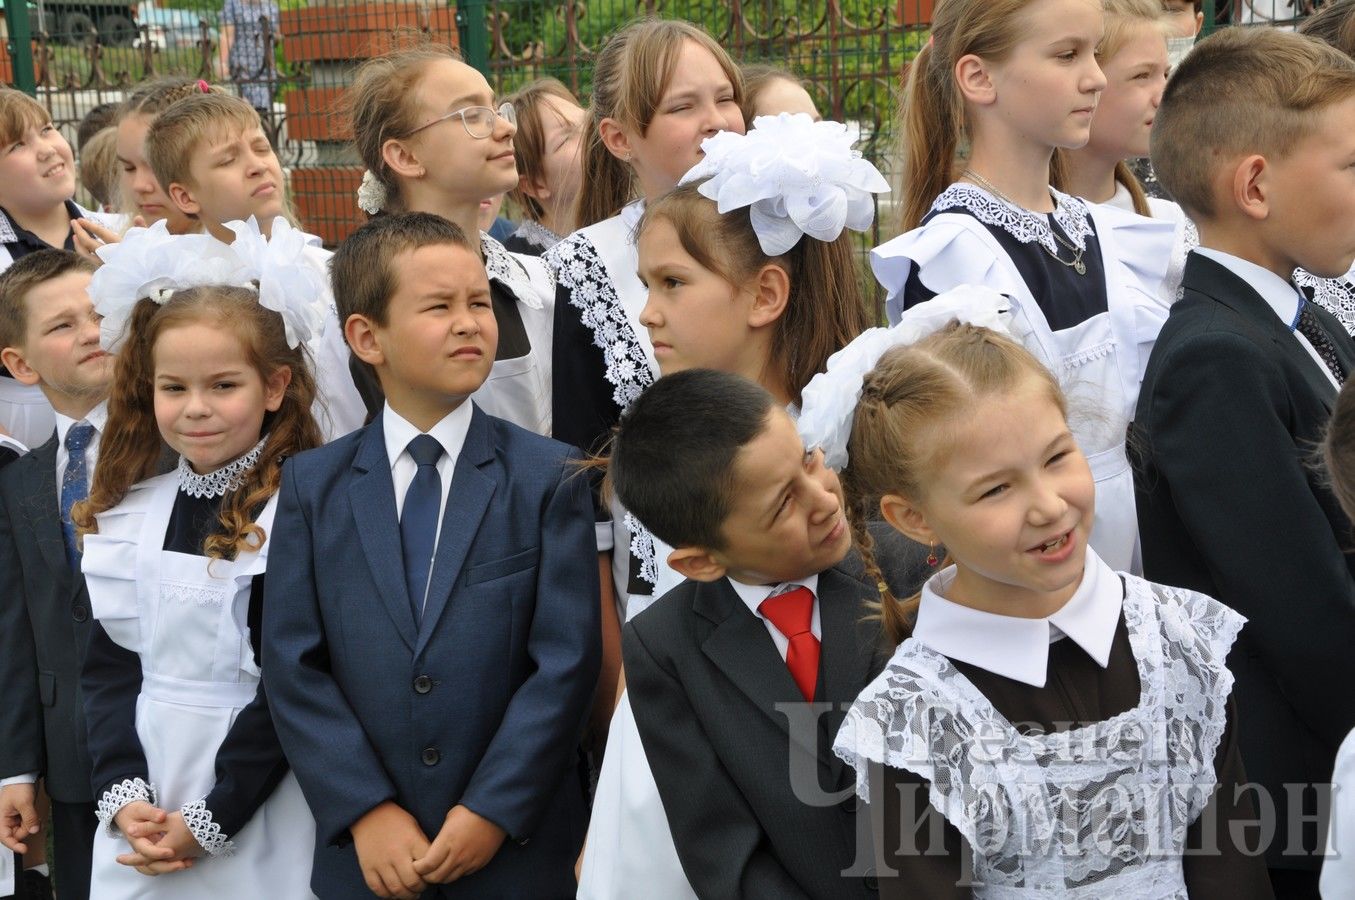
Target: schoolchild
<point>433,647</point>
<point>550,164</point>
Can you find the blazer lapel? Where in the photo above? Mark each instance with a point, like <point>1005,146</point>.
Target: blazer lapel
<point>740,647</point>
<point>467,500</point>
<point>372,495</point>
<point>1221,285</point>
<point>40,504</point>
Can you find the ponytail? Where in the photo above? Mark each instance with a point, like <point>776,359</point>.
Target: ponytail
<point>933,120</point>
<point>1125,176</point>
<point>606,184</point>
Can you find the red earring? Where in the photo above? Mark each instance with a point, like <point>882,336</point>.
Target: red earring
<point>931,556</point>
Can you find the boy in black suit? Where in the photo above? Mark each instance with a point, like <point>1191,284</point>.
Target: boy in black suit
<point>719,670</point>
<point>49,333</point>
<point>1255,139</point>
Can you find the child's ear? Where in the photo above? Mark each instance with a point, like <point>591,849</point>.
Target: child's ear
<point>402,160</point>
<point>536,189</point>
<point>14,360</point>
<point>614,138</point>
<point>183,198</point>
<point>276,388</point>
<point>1250,187</point>
<point>771,292</point>
<point>974,81</point>
<point>360,334</point>
<point>1199,23</point>
<point>696,564</point>
<point>905,517</point>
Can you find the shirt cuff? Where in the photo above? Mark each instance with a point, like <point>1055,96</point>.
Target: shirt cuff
<point>26,778</point>
<point>604,536</point>
<point>205,830</point>
<point>120,794</point>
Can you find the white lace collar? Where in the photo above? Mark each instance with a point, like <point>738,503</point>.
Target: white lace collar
<point>534,232</point>
<point>1026,226</point>
<point>503,268</point>
<point>223,480</point>
<point>1019,648</point>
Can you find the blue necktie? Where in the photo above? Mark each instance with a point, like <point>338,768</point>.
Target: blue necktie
<point>419,519</point>
<point>74,485</point>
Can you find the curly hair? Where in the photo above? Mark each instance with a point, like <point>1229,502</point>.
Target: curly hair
<point>132,444</point>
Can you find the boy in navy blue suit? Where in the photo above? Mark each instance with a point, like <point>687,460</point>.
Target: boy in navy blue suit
<point>431,631</point>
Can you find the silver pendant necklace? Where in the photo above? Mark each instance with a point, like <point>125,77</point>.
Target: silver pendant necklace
<point>1076,264</point>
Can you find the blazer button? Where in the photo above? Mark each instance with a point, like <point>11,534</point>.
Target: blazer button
<point>423,684</point>
<point>849,805</point>
<point>431,756</point>
<point>870,881</point>
<point>80,613</point>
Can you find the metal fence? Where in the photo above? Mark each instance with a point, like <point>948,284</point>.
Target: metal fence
<point>292,58</point>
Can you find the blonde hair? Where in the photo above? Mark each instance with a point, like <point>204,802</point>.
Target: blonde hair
<point>933,113</point>
<point>379,106</point>
<point>631,73</point>
<point>99,166</point>
<point>1242,91</point>
<point>174,137</point>
<point>898,432</point>
<point>1123,18</point>
<point>18,113</point>
<point>529,144</point>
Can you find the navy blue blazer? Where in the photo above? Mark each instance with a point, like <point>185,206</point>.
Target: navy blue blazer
<point>483,703</point>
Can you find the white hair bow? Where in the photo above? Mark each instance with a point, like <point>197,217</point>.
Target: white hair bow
<point>797,177</point>
<point>289,284</point>
<point>830,399</point>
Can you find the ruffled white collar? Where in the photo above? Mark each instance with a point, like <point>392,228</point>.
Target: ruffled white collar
<point>1026,226</point>
<point>222,481</point>
<point>502,267</point>
<point>1018,648</point>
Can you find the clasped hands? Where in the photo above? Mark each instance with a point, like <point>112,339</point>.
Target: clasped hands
<point>398,860</point>
<point>160,841</point>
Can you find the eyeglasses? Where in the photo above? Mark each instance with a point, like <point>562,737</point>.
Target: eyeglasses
<point>479,121</point>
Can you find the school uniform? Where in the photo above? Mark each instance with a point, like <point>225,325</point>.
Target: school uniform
<point>177,713</point>
<point>531,239</point>
<point>1102,744</point>
<point>476,695</point>
<point>25,413</point>
<point>44,627</point>
<point>1234,502</point>
<point>602,360</point>
<point>1092,327</point>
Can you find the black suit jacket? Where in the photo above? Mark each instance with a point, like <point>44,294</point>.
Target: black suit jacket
<point>1233,502</point>
<point>705,679</point>
<point>44,627</point>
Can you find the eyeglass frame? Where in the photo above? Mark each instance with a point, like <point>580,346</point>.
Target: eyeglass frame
<point>505,111</point>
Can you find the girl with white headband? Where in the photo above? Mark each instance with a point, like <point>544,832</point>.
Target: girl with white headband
<point>1070,724</point>
<point>191,780</point>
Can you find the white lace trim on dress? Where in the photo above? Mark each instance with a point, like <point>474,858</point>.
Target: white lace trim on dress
<point>1027,227</point>
<point>120,794</point>
<point>1335,295</point>
<point>205,829</point>
<point>222,481</point>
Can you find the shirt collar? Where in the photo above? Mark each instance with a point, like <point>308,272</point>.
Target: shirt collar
<point>98,417</point>
<point>450,431</point>
<point>753,595</point>
<point>506,269</point>
<point>1018,648</point>
<point>1280,295</point>
<point>11,232</point>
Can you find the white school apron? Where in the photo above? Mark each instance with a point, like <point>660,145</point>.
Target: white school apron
<point>185,616</point>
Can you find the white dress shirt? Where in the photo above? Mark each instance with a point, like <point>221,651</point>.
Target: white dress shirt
<point>98,417</point>
<point>1015,647</point>
<point>450,432</point>
<point>753,596</point>
<point>1279,295</point>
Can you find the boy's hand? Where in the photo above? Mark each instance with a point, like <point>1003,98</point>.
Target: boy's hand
<point>18,815</point>
<point>89,236</point>
<point>388,840</point>
<point>466,844</point>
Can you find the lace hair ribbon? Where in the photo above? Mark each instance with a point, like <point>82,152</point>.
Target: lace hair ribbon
<point>830,398</point>
<point>152,263</point>
<point>371,194</point>
<point>797,176</point>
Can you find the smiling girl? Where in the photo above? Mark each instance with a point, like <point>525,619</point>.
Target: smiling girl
<point>1070,725</point>
<point>1018,79</point>
<point>192,778</point>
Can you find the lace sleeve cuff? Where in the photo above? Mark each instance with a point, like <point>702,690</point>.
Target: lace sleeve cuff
<point>205,829</point>
<point>118,795</point>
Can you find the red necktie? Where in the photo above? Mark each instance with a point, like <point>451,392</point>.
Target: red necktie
<point>792,613</point>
